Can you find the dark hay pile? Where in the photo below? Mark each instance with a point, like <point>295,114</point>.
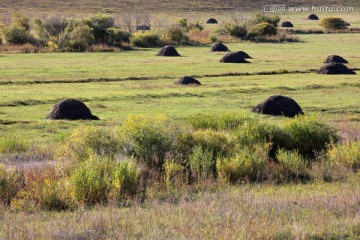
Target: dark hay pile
<point>142,28</point>
<point>71,109</point>
<point>335,68</point>
<point>219,47</point>
<point>235,57</point>
<point>212,21</point>
<point>278,106</point>
<point>335,59</point>
<point>287,24</point>
<point>168,51</point>
<point>313,17</point>
<point>188,81</point>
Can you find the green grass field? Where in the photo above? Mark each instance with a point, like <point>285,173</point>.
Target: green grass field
<point>116,85</point>
<point>105,81</point>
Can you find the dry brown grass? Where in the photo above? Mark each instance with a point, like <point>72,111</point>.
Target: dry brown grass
<point>321,211</point>
<point>156,7</point>
<point>26,48</point>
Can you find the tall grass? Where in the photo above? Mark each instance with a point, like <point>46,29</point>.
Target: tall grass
<point>10,144</point>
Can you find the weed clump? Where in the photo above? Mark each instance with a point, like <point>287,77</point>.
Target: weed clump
<point>11,182</point>
<point>249,164</point>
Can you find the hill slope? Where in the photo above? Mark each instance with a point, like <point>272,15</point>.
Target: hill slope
<point>164,7</point>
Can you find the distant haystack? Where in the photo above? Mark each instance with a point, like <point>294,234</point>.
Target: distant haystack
<point>335,68</point>
<point>287,24</point>
<point>219,47</point>
<point>168,51</point>
<point>188,81</point>
<point>279,106</point>
<point>313,17</point>
<point>143,28</point>
<point>335,58</point>
<point>212,21</point>
<point>71,109</point>
<point>235,57</point>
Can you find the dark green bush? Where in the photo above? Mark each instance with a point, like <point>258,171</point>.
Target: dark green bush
<point>309,136</point>
<point>49,27</point>
<point>256,132</point>
<point>236,30</point>
<point>91,181</point>
<point>79,39</point>
<point>333,23</point>
<point>149,139</point>
<point>203,162</point>
<point>86,141</point>
<point>249,164</point>
<point>125,174</point>
<point>291,166</point>
<point>116,37</point>
<point>208,145</point>
<point>17,35</point>
<point>18,32</point>
<point>99,24</point>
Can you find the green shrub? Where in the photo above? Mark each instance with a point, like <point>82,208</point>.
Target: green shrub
<point>260,18</point>
<point>11,182</point>
<point>17,35</point>
<point>235,30</point>
<point>90,181</point>
<point>100,24</point>
<point>347,154</point>
<point>149,139</point>
<point>202,162</point>
<point>189,26</point>
<point>207,145</point>
<point>148,39</point>
<point>79,39</point>
<point>18,32</point>
<point>116,36</point>
<point>255,132</point>
<point>213,38</point>
<point>219,143</point>
<point>172,35</point>
<point>261,30</point>
<point>50,28</point>
<point>249,164</point>
<point>85,141</point>
<point>174,173</point>
<point>333,23</point>
<point>125,174</point>
<point>309,136</point>
<point>11,144</point>
<point>219,121</point>
<point>194,26</point>
<point>291,166</point>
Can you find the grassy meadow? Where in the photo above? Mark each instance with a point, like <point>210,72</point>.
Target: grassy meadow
<point>111,83</point>
<point>320,201</point>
